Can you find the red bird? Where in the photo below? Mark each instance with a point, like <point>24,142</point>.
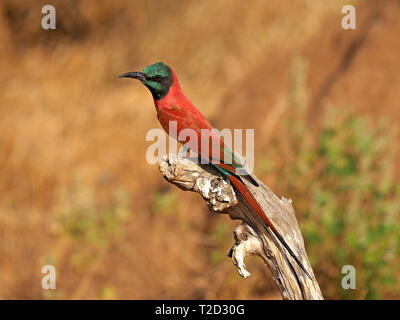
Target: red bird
<point>173,105</point>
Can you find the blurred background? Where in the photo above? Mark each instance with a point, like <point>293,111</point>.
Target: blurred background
<point>76,191</point>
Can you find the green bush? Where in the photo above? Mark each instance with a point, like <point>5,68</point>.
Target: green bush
<point>339,174</point>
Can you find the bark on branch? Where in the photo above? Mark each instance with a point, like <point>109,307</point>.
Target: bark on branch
<point>250,237</point>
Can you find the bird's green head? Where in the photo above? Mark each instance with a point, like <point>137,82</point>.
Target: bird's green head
<point>156,77</point>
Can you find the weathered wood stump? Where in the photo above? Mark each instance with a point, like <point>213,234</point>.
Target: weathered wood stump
<point>251,238</point>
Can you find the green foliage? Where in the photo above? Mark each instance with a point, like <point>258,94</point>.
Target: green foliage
<point>340,176</point>
<point>108,293</point>
<point>91,227</point>
<point>163,203</point>
<point>220,235</point>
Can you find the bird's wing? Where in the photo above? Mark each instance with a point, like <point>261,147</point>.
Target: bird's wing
<point>232,163</point>
<point>209,144</point>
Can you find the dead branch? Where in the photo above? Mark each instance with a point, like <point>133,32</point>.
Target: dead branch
<point>251,238</point>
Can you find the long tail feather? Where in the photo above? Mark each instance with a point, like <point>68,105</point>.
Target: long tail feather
<point>248,196</point>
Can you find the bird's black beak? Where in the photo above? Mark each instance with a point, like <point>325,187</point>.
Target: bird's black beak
<point>135,75</point>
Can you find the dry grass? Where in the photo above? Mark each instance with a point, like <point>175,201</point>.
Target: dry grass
<point>75,188</point>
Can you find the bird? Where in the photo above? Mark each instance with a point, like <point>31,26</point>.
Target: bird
<point>172,104</point>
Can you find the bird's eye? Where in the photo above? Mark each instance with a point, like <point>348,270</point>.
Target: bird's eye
<point>156,78</point>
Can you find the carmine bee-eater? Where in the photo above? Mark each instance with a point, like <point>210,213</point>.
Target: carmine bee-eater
<point>172,105</point>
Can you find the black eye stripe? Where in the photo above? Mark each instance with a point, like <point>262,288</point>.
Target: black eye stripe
<point>161,90</point>
<point>156,78</point>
